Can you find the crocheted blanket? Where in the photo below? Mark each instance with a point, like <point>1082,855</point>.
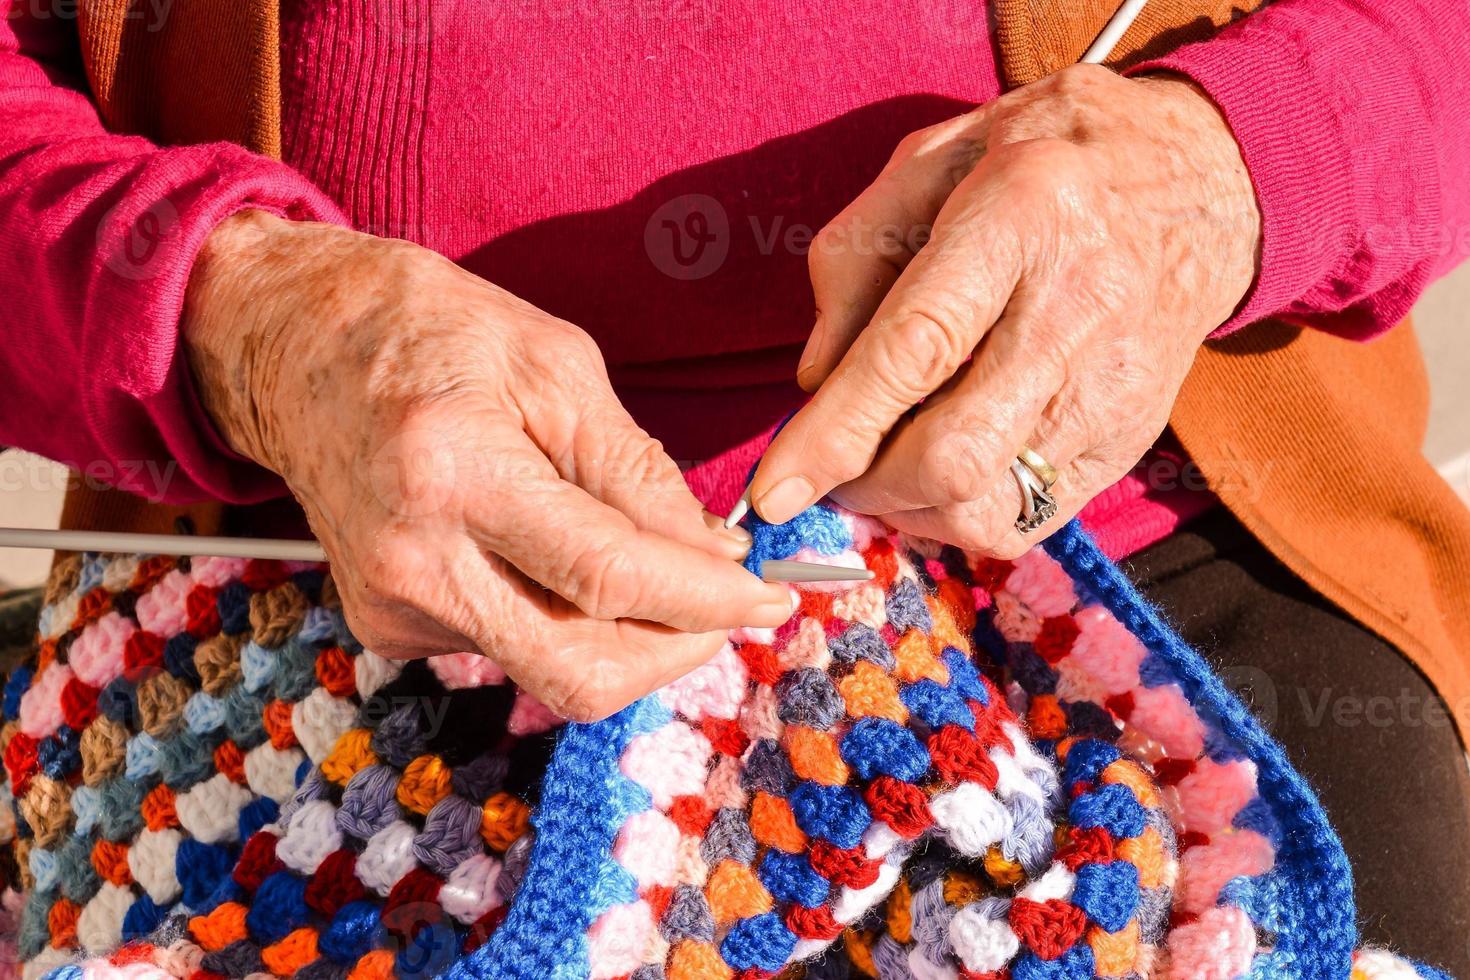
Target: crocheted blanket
<point>964,768</point>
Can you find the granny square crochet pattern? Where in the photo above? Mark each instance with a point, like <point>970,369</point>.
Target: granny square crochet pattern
<point>962,769</point>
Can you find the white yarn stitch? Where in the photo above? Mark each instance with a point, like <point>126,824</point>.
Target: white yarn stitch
<point>470,890</point>
<point>44,962</point>
<point>210,811</point>
<point>853,903</point>
<point>387,857</point>
<point>983,942</point>
<point>99,927</point>
<point>970,818</point>
<point>311,835</point>
<point>319,720</point>
<point>372,672</point>
<point>1056,883</point>
<point>151,860</point>
<point>272,772</point>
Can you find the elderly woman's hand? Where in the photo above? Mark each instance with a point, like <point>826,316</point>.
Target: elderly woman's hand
<point>1038,272</point>
<point>465,463</point>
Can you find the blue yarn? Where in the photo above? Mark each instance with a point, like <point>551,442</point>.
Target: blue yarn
<point>1108,893</point>
<point>1256,815</point>
<point>16,686</point>
<point>817,528</point>
<point>1317,927</point>
<point>429,953</point>
<point>878,746</point>
<point>118,701</point>
<point>1029,670</point>
<point>1112,807</point>
<point>257,666</point>
<point>279,907</point>
<point>762,943</point>
<point>233,603</point>
<point>200,868</point>
<point>1087,759</point>
<point>141,918</point>
<point>61,753</point>
<point>1221,748</point>
<point>937,705</point>
<point>1154,671</point>
<point>1075,964</point>
<point>791,878</point>
<point>1430,973</point>
<point>834,813</point>
<point>963,676</point>
<point>352,933</point>
<point>178,657</point>
<point>302,771</point>
<point>142,755</point>
<point>256,814</point>
<point>69,972</point>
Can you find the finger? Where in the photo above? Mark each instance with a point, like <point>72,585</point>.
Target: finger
<point>924,330</point>
<point>859,255</point>
<point>609,456</point>
<point>558,535</point>
<point>967,434</point>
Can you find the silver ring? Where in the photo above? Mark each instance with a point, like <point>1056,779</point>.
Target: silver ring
<point>1037,505</point>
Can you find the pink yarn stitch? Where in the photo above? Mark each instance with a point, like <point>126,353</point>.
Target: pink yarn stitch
<point>40,707</point>
<point>162,608</point>
<point>1211,796</point>
<point>669,762</point>
<point>618,938</point>
<point>461,670</point>
<point>1205,869</point>
<point>1163,715</point>
<point>1106,650</point>
<point>714,690</point>
<point>648,848</point>
<point>529,716</point>
<point>215,572</point>
<point>1218,945</point>
<point>97,655</point>
<point>1041,584</point>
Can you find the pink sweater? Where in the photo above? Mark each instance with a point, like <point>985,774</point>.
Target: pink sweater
<point>651,173</point>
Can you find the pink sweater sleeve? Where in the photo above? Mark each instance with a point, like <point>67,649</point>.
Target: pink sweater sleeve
<point>99,233</point>
<point>1354,120</point>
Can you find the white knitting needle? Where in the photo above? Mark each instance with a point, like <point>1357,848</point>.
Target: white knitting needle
<point>281,550</point>
<point>1098,52</point>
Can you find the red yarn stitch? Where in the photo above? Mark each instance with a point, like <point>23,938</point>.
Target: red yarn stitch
<point>902,806</point>
<point>257,860</point>
<point>1092,845</point>
<point>1049,928</point>
<point>142,656</point>
<point>484,927</point>
<point>991,573</point>
<point>658,898</point>
<point>334,884</point>
<point>413,904</point>
<point>21,762</point>
<point>93,605</point>
<point>337,672</point>
<point>958,756</point>
<point>1055,640</point>
<point>78,703</point>
<point>1167,771</point>
<point>814,923</point>
<point>1120,704</point>
<point>882,561</point>
<point>725,735</point>
<point>691,815</point>
<point>262,576</point>
<point>850,867</point>
<point>202,612</point>
<point>760,660</point>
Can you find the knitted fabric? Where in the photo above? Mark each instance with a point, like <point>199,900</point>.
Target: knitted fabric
<point>964,768</point>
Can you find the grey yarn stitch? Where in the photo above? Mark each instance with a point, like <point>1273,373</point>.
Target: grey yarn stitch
<point>767,769</point>
<point>244,714</point>
<point>295,675</point>
<point>187,759</point>
<point>906,607</point>
<point>170,930</point>
<point>1030,838</point>
<point>399,739</point>
<point>451,834</point>
<point>930,916</point>
<point>513,867</point>
<point>728,836</point>
<point>861,642</point>
<point>34,931</point>
<point>1153,913</point>
<point>368,803</point>
<point>79,880</point>
<point>890,959</point>
<point>688,917</point>
<point>807,697</point>
<point>648,971</point>
<point>239,959</point>
<point>480,778</point>
<point>322,969</point>
<point>119,808</point>
<point>313,787</point>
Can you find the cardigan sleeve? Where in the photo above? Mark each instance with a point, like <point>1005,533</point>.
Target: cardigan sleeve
<point>1353,117</point>
<point>100,231</point>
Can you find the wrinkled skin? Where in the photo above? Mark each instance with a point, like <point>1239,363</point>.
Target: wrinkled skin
<point>464,462</point>
<point>1038,272</point>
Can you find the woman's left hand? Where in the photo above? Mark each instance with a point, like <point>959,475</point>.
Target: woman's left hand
<point>1038,272</point>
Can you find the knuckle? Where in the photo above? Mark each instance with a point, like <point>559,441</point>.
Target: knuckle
<point>921,351</point>
<point>603,582</point>
<point>598,689</point>
<point>961,464</point>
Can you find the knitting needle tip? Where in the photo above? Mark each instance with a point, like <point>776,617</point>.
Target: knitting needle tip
<point>741,508</point>
<point>805,571</point>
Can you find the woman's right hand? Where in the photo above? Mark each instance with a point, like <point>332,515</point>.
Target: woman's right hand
<point>463,460</point>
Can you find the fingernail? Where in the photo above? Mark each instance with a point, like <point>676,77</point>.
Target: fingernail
<point>809,354</point>
<point>782,610</point>
<point>737,513</point>
<point>786,499</point>
<point>735,540</point>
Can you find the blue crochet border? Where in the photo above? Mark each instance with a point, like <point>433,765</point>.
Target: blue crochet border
<point>1307,899</point>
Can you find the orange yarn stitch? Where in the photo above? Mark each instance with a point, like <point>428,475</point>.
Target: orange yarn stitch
<point>900,923</point>
<point>277,721</point>
<point>915,654</point>
<point>505,819</point>
<point>425,782</point>
<point>158,808</point>
<point>225,925</point>
<point>110,859</point>
<point>859,946</point>
<point>62,923</point>
<point>870,692</point>
<point>693,960</point>
<point>377,965</point>
<point>734,892</point>
<point>336,672</point>
<point>962,888</point>
<point>353,751</point>
<point>814,755</point>
<point>773,824</point>
<point>229,760</point>
<point>1114,953</point>
<point>1126,772</point>
<point>1002,871</point>
<point>1146,851</point>
<point>293,952</point>
<point>1045,718</point>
